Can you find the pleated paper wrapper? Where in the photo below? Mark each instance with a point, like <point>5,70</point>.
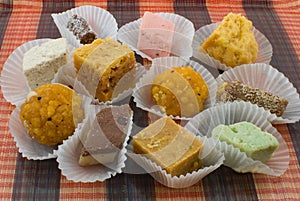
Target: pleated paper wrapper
<point>265,50</point>
<point>28,146</point>
<point>234,112</point>
<point>211,158</point>
<point>269,79</point>
<point>100,21</point>
<point>69,152</point>
<point>142,91</point>
<point>13,81</point>
<point>182,37</point>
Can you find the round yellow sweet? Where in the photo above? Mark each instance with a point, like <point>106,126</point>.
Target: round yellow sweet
<point>179,91</point>
<point>47,113</point>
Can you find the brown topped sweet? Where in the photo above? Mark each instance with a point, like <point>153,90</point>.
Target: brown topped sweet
<point>235,90</point>
<point>106,138</point>
<point>81,29</point>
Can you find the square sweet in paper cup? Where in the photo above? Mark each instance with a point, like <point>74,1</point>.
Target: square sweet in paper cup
<point>181,41</point>
<point>234,112</point>
<point>88,87</point>
<point>70,152</point>
<point>142,91</point>
<point>14,91</point>
<point>268,79</point>
<point>264,55</point>
<point>211,160</point>
<point>101,22</point>
<point>29,147</point>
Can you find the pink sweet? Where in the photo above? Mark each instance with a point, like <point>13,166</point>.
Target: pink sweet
<point>155,35</point>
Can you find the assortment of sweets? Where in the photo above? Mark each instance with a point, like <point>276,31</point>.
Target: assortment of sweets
<point>101,66</point>
<point>103,143</point>
<point>235,90</point>
<point>170,146</point>
<point>41,63</point>
<point>155,35</point>
<point>232,42</point>
<point>249,138</point>
<point>179,91</point>
<point>81,29</point>
<point>51,113</point>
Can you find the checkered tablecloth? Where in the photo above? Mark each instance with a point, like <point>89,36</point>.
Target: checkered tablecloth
<point>22,179</point>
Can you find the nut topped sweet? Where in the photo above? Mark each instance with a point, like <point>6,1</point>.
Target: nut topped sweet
<point>235,90</point>
<point>51,113</point>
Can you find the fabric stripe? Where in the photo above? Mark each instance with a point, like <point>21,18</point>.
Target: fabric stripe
<point>47,27</point>
<point>286,60</point>
<point>233,186</point>
<point>130,187</point>
<point>156,6</point>
<point>285,187</point>
<point>124,11</point>
<point>31,177</point>
<point>32,180</point>
<point>5,8</point>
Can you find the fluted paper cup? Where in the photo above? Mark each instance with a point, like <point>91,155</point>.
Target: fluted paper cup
<point>16,92</point>
<point>142,91</point>
<point>267,78</point>
<point>182,38</point>
<point>28,146</point>
<point>69,152</point>
<point>234,112</point>
<point>101,22</point>
<point>211,159</point>
<point>264,54</point>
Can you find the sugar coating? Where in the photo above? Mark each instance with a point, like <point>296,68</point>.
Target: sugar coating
<point>248,138</point>
<point>179,91</point>
<point>232,42</point>
<point>41,63</point>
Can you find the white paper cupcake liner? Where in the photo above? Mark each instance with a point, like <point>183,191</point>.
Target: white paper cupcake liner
<point>101,22</point>
<point>69,152</point>
<point>14,91</point>
<point>118,97</point>
<point>212,159</point>
<point>267,78</point>
<point>29,147</point>
<point>142,91</point>
<point>264,55</point>
<point>230,113</point>
<point>182,39</point>
<point>13,81</point>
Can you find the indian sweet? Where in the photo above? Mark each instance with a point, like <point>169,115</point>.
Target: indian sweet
<point>235,90</point>
<point>51,113</point>
<point>170,146</point>
<point>41,62</point>
<point>179,91</point>
<point>155,35</point>
<point>102,65</point>
<point>102,143</point>
<point>249,138</point>
<point>232,42</point>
